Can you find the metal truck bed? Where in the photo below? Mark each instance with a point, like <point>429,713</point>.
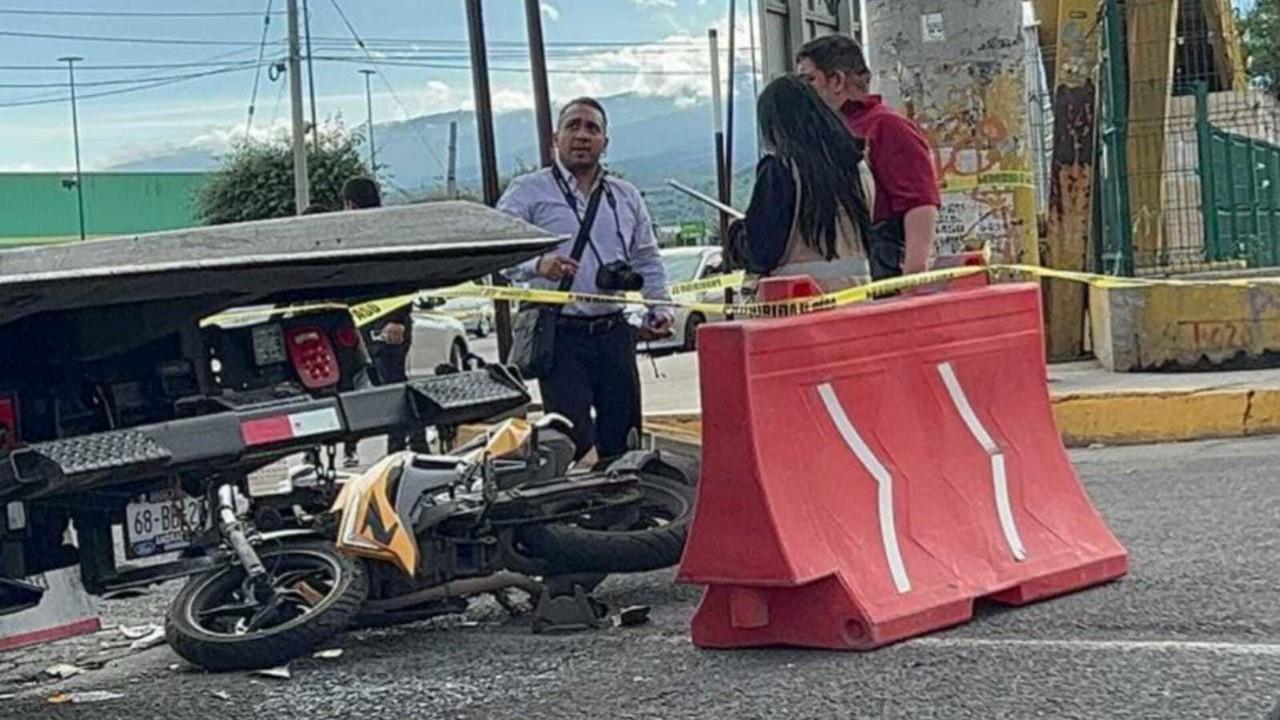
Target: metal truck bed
<point>200,271</point>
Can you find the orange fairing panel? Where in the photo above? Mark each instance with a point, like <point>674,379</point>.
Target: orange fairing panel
<point>370,526</point>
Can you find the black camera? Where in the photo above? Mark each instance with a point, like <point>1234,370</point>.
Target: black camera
<point>618,277</point>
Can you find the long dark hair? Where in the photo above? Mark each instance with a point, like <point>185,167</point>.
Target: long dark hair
<point>799,128</point>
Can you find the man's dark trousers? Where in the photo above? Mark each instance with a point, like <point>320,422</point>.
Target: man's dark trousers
<point>389,363</point>
<point>595,366</point>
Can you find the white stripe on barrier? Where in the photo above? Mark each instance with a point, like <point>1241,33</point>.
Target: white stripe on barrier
<point>999,479</point>
<point>884,485</point>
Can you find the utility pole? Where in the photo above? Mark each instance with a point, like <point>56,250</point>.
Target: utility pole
<point>728,137</point>
<point>311,79</point>
<point>301,187</point>
<point>451,173</point>
<point>71,61</point>
<point>488,153</point>
<point>538,65</point>
<point>717,126</point>
<point>368,101</point>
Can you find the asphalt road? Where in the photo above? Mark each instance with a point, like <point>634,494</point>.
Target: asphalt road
<point>1192,632</point>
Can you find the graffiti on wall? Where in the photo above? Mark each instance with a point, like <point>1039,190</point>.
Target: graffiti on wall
<point>976,124</point>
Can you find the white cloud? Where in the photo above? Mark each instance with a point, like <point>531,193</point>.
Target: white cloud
<point>677,66</point>
<point>655,3</point>
<point>551,11</point>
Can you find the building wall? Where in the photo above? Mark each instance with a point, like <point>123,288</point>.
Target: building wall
<point>37,205</point>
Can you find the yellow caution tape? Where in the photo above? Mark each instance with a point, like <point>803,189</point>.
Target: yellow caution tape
<point>719,282</point>
<point>1001,179</point>
<point>368,312</point>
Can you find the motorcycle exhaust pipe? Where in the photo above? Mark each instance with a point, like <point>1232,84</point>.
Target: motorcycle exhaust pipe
<point>458,588</point>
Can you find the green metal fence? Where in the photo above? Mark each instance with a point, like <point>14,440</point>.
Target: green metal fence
<point>1240,179</point>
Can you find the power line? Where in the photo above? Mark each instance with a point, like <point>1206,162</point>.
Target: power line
<point>396,62</point>
<point>691,42</point>
<point>129,13</point>
<point>137,66</point>
<point>394,95</point>
<point>218,60</point>
<point>121,91</point>
<point>257,76</point>
<point>118,39</point>
<point>125,81</point>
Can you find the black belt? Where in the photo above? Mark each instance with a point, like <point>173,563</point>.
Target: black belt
<point>590,324</point>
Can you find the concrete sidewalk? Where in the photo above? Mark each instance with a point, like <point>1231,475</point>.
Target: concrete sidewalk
<point>1092,405</point>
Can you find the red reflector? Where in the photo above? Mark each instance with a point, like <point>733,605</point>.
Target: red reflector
<point>347,336</point>
<point>8,422</point>
<point>313,358</point>
<point>266,430</point>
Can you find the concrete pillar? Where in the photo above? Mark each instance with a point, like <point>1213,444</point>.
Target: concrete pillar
<point>958,68</point>
<point>1070,216</point>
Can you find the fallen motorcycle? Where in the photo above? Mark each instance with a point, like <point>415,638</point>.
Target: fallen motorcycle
<point>416,536</point>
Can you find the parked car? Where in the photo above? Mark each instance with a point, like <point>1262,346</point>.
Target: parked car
<point>685,264</point>
<point>475,314</point>
<point>438,339</point>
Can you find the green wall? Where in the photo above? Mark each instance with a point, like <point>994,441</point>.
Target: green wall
<point>36,205</point>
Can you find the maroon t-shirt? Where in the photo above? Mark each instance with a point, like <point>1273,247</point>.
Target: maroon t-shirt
<point>899,157</point>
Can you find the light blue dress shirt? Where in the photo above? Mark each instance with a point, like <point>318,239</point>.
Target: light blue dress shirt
<point>622,231</point>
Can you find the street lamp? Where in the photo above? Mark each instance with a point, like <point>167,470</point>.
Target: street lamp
<point>368,100</point>
<point>71,61</point>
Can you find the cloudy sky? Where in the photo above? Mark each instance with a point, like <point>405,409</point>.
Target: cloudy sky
<point>170,81</point>
<point>160,75</point>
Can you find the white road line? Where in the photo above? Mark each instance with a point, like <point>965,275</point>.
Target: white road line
<point>999,479</point>
<point>884,485</point>
<point>1211,648</point>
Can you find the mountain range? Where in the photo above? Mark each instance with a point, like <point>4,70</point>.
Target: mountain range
<point>652,139</point>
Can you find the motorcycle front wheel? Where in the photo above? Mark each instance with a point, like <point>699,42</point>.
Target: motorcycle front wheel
<point>216,623</point>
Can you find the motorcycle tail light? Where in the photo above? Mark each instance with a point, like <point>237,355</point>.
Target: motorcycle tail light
<point>346,336</point>
<point>313,358</point>
<point>8,422</point>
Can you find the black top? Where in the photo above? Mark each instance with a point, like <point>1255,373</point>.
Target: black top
<point>760,241</point>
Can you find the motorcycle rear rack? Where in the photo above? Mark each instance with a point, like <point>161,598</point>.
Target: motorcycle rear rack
<point>220,441</point>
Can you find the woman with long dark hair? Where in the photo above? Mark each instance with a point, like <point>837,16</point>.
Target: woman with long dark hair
<point>809,210</point>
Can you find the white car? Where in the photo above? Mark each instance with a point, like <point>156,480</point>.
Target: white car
<point>685,264</point>
<point>475,314</point>
<point>437,340</point>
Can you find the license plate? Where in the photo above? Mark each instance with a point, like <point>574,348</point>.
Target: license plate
<point>163,522</point>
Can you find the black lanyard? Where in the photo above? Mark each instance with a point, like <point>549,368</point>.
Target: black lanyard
<point>571,199</point>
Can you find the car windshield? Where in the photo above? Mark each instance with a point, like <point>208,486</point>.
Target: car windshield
<point>681,268</point>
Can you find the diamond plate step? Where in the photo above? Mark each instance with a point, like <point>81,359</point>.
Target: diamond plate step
<point>101,451</point>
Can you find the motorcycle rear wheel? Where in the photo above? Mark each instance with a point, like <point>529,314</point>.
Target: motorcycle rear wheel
<point>651,538</point>
<point>210,621</point>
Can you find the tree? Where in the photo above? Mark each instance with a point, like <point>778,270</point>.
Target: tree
<point>255,181</point>
<point>1260,32</point>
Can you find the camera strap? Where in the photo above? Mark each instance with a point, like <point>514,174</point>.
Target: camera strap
<point>585,224</point>
<point>571,200</point>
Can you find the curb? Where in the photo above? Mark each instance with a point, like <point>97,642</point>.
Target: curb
<point>1102,418</point>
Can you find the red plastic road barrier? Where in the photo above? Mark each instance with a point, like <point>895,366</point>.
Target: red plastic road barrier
<point>868,473</point>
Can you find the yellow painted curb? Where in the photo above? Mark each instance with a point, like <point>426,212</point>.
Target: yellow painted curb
<point>1121,418</point>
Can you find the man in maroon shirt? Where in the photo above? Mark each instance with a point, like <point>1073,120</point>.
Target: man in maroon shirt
<point>907,196</point>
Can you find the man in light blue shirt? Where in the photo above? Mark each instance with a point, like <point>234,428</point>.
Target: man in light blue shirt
<point>595,355</point>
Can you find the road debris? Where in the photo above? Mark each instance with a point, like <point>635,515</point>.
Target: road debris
<point>148,641</point>
<point>137,632</point>
<point>333,654</point>
<point>221,694</point>
<point>279,673</point>
<point>633,616</point>
<point>62,671</point>
<point>80,698</point>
